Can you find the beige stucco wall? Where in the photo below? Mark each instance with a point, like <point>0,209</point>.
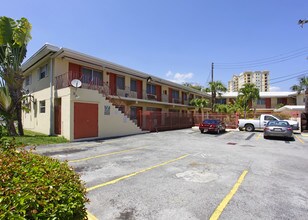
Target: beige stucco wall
<point>115,124</point>
<point>34,120</point>
<point>37,84</point>
<point>60,66</point>
<point>300,99</point>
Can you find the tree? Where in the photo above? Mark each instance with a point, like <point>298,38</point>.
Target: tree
<point>200,103</point>
<point>216,88</point>
<point>193,86</point>
<point>14,37</point>
<point>6,108</point>
<point>248,93</point>
<point>302,86</point>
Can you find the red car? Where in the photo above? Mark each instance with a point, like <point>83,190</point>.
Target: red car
<point>212,125</point>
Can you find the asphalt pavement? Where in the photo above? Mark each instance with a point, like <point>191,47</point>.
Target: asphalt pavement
<point>183,174</point>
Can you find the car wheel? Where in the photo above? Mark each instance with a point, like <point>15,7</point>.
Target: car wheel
<point>265,137</point>
<point>249,128</point>
<point>202,131</point>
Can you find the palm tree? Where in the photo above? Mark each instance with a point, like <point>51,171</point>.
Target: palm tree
<point>193,86</point>
<point>200,104</point>
<point>216,88</point>
<point>302,86</point>
<point>14,37</point>
<point>248,93</point>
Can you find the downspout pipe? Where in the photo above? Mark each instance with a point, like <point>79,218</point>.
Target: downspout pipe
<point>51,108</point>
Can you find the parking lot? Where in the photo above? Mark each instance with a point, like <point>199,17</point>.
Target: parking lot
<point>183,174</point>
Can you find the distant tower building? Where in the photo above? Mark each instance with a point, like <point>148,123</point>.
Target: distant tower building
<point>259,78</point>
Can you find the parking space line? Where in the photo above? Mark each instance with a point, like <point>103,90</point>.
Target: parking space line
<point>228,197</point>
<point>300,140</point>
<point>259,135</point>
<point>135,173</point>
<point>104,155</point>
<point>91,216</point>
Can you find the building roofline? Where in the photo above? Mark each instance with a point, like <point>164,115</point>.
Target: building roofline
<point>63,52</point>
<point>45,50</point>
<point>263,94</point>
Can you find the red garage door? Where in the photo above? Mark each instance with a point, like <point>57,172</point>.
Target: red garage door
<point>85,120</point>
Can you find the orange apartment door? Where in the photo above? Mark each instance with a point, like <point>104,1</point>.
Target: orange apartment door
<point>139,89</point>
<point>139,116</point>
<point>268,103</point>
<point>74,71</point>
<point>112,83</point>
<point>57,119</point>
<point>85,120</point>
<point>158,92</point>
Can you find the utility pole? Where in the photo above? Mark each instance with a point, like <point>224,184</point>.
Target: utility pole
<point>212,80</point>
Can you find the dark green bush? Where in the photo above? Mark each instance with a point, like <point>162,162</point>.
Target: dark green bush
<point>38,187</point>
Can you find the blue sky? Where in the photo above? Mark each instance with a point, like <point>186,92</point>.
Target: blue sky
<point>177,39</point>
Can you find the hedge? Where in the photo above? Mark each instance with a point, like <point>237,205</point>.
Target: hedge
<point>38,187</point>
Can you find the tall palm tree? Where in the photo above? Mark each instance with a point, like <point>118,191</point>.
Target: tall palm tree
<point>216,88</point>
<point>14,37</point>
<point>302,86</point>
<point>248,93</point>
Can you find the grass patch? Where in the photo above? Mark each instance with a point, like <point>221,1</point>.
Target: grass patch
<point>32,138</point>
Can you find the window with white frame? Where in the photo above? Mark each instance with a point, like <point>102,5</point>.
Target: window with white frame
<point>133,85</point>
<point>151,89</point>
<point>43,71</point>
<point>261,102</point>
<point>120,82</point>
<point>42,106</point>
<point>28,80</point>
<point>91,76</point>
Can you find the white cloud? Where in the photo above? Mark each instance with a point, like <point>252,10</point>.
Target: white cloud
<point>169,74</point>
<point>275,89</point>
<point>179,77</point>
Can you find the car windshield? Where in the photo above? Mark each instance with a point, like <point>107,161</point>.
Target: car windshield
<point>278,123</point>
<point>209,121</point>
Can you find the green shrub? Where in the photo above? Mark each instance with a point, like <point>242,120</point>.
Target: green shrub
<point>38,187</point>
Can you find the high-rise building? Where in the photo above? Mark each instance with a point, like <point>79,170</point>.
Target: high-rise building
<point>259,78</point>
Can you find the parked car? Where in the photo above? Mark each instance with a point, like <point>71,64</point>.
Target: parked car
<point>278,129</point>
<point>260,123</point>
<point>212,125</point>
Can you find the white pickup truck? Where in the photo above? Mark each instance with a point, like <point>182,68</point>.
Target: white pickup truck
<point>252,124</point>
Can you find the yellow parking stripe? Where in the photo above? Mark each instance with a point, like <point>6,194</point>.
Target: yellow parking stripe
<point>135,173</point>
<point>104,155</point>
<point>226,200</point>
<point>300,140</point>
<point>259,135</point>
<point>90,216</point>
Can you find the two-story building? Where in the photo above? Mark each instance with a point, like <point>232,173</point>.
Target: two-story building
<point>80,97</point>
<point>269,101</point>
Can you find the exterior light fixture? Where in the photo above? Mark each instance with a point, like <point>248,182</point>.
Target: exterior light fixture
<point>149,79</point>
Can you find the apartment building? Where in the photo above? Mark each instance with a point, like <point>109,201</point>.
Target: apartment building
<point>268,101</point>
<point>259,78</point>
<point>83,97</point>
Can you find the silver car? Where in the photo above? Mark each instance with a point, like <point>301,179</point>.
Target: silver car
<point>278,129</point>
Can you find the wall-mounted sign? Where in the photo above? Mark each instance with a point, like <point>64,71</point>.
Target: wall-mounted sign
<point>107,109</point>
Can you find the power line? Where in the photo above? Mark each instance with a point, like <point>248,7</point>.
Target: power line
<point>297,74</point>
<point>287,79</point>
<point>266,61</point>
